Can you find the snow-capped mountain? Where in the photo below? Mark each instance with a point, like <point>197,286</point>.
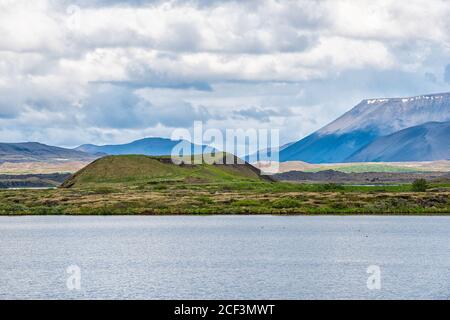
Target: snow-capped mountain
<point>367,121</point>
<point>390,115</point>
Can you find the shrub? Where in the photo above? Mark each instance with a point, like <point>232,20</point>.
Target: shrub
<point>419,185</point>
<point>329,187</point>
<point>286,203</point>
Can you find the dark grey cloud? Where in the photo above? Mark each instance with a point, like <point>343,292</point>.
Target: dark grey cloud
<point>180,114</point>
<point>114,107</point>
<point>201,86</point>
<point>7,111</point>
<point>144,3</point>
<point>10,104</point>
<point>106,3</point>
<point>286,29</point>
<point>143,76</point>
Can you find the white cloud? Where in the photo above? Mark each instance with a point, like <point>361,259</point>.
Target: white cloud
<point>177,61</point>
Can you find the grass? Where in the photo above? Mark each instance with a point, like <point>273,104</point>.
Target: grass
<point>226,198</point>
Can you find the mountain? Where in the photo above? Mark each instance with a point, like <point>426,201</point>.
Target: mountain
<point>147,146</point>
<point>366,122</point>
<point>426,142</point>
<point>33,151</point>
<point>266,154</point>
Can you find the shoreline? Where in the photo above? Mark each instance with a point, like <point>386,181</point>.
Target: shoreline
<point>364,214</point>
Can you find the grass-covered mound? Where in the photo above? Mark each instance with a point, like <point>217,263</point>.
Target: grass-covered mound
<point>138,169</point>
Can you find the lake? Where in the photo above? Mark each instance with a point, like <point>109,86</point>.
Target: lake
<point>224,257</point>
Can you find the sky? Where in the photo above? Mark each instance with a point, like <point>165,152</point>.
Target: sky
<point>104,72</point>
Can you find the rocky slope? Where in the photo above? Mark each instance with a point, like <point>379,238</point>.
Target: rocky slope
<point>426,142</point>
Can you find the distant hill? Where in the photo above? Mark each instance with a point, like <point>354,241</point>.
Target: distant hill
<point>426,142</point>
<point>147,146</point>
<point>266,154</point>
<point>32,180</point>
<point>33,151</point>
<point>354,167</point>
<point>135,169</point>
<point>366,122</point>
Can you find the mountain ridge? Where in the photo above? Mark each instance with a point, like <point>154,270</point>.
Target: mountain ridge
<point>151,146</point>
<point>35,152</point>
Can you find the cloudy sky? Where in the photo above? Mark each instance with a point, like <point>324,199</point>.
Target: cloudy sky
<point>74,72</point>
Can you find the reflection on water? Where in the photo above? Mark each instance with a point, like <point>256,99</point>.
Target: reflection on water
<point>225,257</point>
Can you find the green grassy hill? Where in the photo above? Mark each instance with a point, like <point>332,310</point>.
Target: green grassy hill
<point>138,169</point>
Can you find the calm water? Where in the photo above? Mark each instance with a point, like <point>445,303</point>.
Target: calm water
<point>225,257</point>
